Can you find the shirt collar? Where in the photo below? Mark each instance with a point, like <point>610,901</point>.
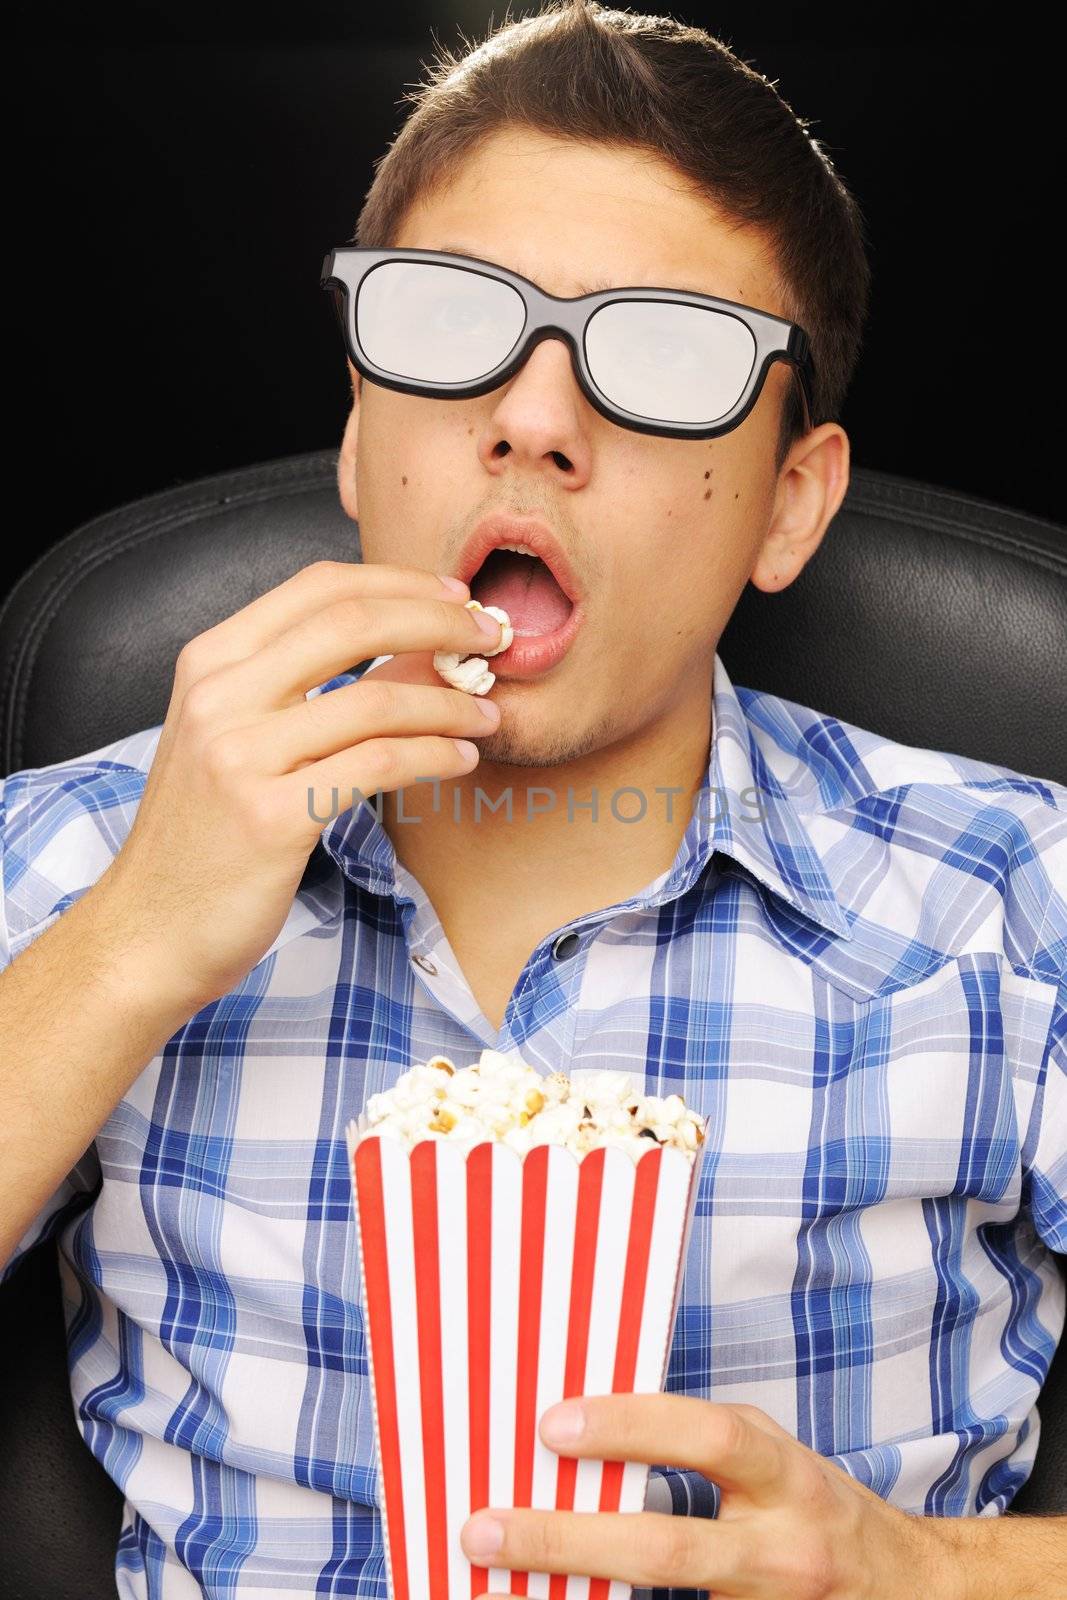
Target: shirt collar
<point>745,810</point>
<point>761,786</point>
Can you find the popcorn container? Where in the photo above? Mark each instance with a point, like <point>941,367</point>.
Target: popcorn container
<point>494,1284</point>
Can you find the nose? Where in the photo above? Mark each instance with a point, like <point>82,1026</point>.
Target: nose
<point>541,418</point>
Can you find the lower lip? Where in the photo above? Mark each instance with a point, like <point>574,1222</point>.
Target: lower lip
<point>529,657</point>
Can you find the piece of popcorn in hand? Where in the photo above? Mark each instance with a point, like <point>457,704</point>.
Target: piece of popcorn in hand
<point>471,674</point>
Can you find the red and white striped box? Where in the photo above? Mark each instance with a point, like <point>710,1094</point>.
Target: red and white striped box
<point>495,1284</point>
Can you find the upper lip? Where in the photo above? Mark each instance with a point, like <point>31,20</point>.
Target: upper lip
<point>499,529</point>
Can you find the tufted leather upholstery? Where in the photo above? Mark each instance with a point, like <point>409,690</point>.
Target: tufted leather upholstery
<point>932,617</point>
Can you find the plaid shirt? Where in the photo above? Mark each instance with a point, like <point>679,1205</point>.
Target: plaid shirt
<point>860,983</point>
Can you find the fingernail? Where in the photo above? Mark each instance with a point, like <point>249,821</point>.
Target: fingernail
<point>455,584</point>
<point>467,749</point>
<point>563,1424</point>
<point>482,1537</point>
<point>488,708</point>
<point>487,623</point>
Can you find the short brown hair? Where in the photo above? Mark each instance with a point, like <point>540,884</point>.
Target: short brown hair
<point>579,70</point>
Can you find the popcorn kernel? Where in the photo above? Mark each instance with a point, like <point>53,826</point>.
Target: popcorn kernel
<point>500,1096</point>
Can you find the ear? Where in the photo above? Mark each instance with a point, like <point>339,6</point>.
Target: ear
<point>346,461</point>
<point>811,486</point>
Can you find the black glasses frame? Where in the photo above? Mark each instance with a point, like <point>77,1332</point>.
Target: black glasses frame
<point>554,316</point>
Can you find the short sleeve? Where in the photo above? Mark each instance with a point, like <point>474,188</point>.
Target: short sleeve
<point>1045,1147</point>
<point>84,1177</point>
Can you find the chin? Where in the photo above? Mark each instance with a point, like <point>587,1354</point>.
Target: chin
<point>537,747</point>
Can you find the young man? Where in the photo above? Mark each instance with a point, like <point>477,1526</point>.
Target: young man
<point>848,954</point>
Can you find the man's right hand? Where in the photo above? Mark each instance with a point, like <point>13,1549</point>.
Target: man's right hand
<point>205,879</point>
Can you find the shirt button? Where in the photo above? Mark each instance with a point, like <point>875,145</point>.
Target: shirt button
<point>565,946</point>
<point>426,964</point>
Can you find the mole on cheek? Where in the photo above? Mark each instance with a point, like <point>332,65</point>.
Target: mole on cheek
<point>707,494</point>
<point>404,481</point>
<point>708,473</point>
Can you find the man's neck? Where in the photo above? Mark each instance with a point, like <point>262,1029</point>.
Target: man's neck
<point>581,836</point>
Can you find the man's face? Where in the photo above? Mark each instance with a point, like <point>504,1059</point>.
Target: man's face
<point>662,533</point>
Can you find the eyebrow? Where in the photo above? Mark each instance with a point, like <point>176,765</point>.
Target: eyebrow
<point>581,288</point>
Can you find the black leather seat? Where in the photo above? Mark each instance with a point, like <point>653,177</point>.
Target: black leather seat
<point>930,616</point>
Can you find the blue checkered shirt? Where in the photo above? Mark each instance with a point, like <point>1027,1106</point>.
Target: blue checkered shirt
<point>859,981</point>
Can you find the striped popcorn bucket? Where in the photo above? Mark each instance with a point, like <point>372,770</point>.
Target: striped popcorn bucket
<point>495,1284</point>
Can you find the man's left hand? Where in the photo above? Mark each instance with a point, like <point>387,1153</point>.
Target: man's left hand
<point>790,1522</point>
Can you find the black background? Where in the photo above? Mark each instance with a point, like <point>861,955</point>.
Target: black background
<point>175,175</point>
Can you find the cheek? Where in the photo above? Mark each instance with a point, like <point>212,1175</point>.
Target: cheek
<point>665,607</point>
<point>387,434</point>
<point>686,597</point>
<point>425,456</point>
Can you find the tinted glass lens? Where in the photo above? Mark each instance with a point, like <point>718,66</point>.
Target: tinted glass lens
<point>668,362</point>
<point>437,324</point>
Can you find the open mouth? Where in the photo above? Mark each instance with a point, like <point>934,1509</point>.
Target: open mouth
<point>525,588</point>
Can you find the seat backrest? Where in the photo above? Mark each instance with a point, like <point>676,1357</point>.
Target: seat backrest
<point>932,617</point>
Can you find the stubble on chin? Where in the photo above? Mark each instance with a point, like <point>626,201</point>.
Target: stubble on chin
<point>512,745</point>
